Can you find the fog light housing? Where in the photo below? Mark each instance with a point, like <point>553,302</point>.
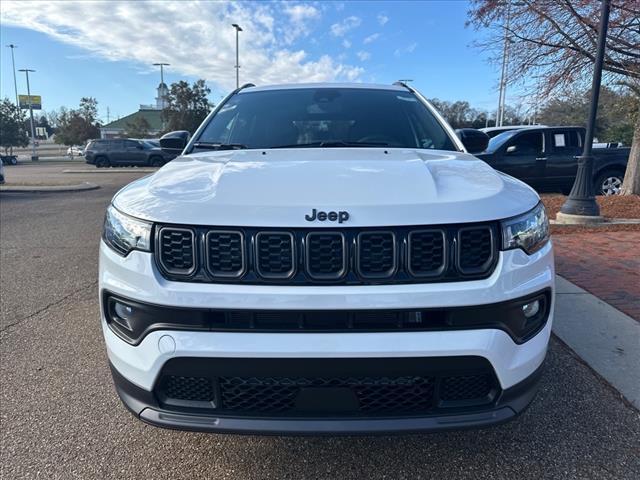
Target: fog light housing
<point>531,309</point>
<point>122,315</point>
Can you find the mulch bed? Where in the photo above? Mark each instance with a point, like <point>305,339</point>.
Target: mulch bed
<point>626,206</point>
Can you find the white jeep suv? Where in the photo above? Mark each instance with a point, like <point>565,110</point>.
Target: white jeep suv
<point>326,259</point>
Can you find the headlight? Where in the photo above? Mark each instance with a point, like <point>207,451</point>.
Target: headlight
<point>529,232</point>
<point>123,233</point>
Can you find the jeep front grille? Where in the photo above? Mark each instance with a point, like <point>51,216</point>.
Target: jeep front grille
<point>317,256</point>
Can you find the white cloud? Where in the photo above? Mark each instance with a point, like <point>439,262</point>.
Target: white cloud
<point>299,17</point>
<point>408,49</point>
<point>382,19</point>
<point>346,43</point>
<point>363,56</point>
<point>341,28</point>
<point>195,38</point>
<point>371,38</point>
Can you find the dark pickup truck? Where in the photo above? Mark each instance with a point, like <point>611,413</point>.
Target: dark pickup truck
<point>545,158</point>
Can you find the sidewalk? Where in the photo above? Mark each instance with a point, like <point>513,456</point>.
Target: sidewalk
<point>598,304</point>
<point>606,264</point>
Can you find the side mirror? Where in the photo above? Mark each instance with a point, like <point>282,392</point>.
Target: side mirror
<point>473,140</point>
<point>174,142</point>
<point>512,149</point>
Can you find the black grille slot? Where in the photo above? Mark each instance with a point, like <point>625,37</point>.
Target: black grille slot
<point>475,249</point>
<point>193,389</point>
<point>225,254</point>
<point>466,387</point>
<point>177,250</point>
<point>427,252</point>
<point>275,254</point>
<point>326,255</point>
<point>376,254</point>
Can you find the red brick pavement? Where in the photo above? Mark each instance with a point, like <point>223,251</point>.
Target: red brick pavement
<point>606,264</point>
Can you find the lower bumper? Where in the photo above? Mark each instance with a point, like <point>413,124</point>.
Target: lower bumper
<point>145,406</point>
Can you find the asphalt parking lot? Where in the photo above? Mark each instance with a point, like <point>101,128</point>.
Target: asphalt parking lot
<point>61,418</point>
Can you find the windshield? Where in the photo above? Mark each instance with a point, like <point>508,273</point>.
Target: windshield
<point>499,140</point>
<point>325,117</point>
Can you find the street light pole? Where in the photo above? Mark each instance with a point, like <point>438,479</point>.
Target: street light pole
<point>162,65</point>
<point>13,63</point>
<point>34,156</point>
<point>238,30</point>
<point>581,201</point>
<point>502,96</point>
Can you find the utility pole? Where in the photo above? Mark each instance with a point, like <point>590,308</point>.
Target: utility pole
<point>581,206</point>
<point>108,121</point>
<point>34,156</point>
<point>503,77</point>
<point>13,63</point>
<point>238,30</point>
<point>162,65</point>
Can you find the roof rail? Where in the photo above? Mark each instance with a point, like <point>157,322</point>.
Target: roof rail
<point>246,85</point>
<point>402,84</point>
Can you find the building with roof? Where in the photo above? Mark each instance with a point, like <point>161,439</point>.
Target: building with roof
<point>151,113</point>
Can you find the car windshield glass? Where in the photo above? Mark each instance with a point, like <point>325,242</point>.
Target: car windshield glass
<point>326,117</point>
<point>499,140</point>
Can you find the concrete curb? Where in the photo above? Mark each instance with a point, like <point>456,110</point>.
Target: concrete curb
<point>48,188</point>
<point>112,170</point>
<point>604,337</point>
<point>607,222</point>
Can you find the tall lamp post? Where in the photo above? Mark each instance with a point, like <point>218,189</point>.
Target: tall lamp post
<point>502,96</point>
<point>162,65</point>
<point>13,63</point>
<point>238,30</point>
<point>34,156</point>
<point>581,206</point>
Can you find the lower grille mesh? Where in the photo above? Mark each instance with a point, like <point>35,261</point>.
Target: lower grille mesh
<point>371,395</point>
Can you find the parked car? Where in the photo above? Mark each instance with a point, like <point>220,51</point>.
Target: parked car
<point>1,173</point>
<point>125,152</point>
<point>9,159</point>
<point>545,158</point>
<point>75,151</point>
<point>308,265</point>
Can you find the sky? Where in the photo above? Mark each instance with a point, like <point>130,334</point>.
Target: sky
<point>106,49</point>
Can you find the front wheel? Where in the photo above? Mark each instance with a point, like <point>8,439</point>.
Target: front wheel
<point>102,162</point>
<point>609,183</point>
<point>156,162</point>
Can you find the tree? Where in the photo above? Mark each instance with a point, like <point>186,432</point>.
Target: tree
<point>138,128</point>
<point>186,106</point>
<point>616,113</point>
<point>552,49</point>
<point>12,131</point>
<point>75,127</point>
<point>460,114</point>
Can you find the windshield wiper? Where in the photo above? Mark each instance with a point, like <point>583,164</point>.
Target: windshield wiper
<point>333,143</point>
<point>219,146</point>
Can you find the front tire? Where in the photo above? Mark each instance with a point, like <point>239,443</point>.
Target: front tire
<point>609,183</point>
<point>156,162</point>
<point>102,162</point>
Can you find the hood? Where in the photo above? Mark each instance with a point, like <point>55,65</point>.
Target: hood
<point>280,187</point>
